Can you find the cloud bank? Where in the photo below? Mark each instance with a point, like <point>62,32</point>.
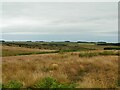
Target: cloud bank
<point>90,21</point>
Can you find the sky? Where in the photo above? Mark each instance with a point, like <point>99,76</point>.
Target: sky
<point>60,21</point>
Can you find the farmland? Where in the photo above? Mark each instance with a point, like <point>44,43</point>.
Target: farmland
<point>59,65</point>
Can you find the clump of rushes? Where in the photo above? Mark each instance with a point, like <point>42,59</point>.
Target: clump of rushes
<point>13,84</point>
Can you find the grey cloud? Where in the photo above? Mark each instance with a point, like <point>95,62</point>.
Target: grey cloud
<point>77,19</point>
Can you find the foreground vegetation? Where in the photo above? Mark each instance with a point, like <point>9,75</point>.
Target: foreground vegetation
<point>88,67</point>
<point>67,68</point>
<point>47,82</point>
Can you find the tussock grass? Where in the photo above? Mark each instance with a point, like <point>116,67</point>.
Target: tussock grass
<point>100,71</point>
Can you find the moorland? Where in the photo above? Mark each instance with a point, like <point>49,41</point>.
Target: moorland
<point>27,64</point>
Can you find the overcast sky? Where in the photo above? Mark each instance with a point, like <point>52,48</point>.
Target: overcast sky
<point>88,21</point>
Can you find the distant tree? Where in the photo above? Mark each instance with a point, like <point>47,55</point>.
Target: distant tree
<point>82,42</point>
<point>29,41</point>
<point>67,41</point>
<point>101,42</point>
<point>2,41</point>
<point>39,41</point>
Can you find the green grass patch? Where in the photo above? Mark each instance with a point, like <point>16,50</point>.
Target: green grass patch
<point>13,84</point>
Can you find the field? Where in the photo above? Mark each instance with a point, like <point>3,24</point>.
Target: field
<point>59,65</point>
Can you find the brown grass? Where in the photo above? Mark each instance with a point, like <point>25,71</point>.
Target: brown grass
<point>22,48</point>
<point>99,71</point>
<point>13,50</point>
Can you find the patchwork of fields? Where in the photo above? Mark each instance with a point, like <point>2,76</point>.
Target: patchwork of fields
<point>61,65</point>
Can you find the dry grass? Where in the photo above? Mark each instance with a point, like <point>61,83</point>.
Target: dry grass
<point>22,48</point>
<point>99,71</point>
<point>13,50</point>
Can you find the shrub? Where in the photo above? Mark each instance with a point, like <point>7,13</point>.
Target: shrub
<point>50,82</point>
<point>13,84</point>
<point>91,54</point>
<point>112,48</point>
<point>25,53</point>
<point>88,54</point>
<point>45,83</point>
<point>108,53</point>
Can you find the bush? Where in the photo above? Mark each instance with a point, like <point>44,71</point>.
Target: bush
<point>13,84</point>
<point>50,82</point>
<point>45,83</point>
<point>112,48</point>
<point>108,53</point>
<point>88,54</point>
